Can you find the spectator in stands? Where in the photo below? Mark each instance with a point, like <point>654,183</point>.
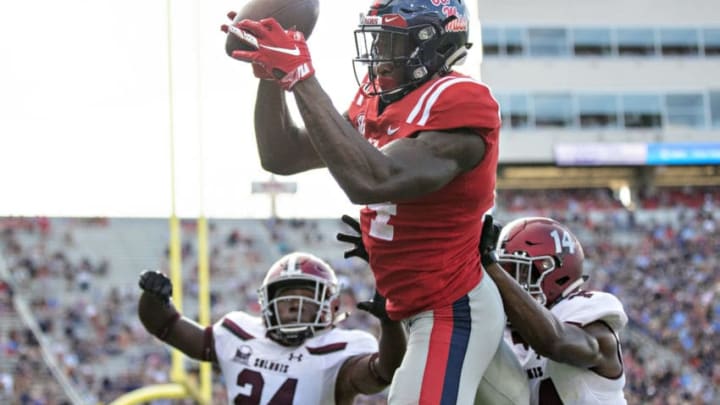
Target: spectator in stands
<point>664,282</point>
<point>6,297</point>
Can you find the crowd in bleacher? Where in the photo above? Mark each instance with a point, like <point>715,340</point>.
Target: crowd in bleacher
<point>669,281</point>
<point>664,268</point>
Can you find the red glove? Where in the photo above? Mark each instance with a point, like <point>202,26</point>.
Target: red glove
<point>283,53</point>
<point>258,70</point>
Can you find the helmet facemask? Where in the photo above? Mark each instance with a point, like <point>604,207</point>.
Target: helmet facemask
<point>415,52</point>
<point>543,256</point>
<point>312,314</point>
<point>382,50</point>
<point>529,272</point>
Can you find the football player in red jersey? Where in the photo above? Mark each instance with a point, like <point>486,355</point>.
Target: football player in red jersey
<point>292,353</point>
<point>419,147</point>
<point>565,337</point>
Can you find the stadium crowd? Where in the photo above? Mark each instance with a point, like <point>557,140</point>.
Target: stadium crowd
<point>660,260</point>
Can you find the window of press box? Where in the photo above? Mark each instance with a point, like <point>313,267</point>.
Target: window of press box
<point>605,42</point>
<point>504,105</point>
<point>519,111</point>
<point>641,111</point>
<point>636,41</point>
<point>591,42</point>
<point>711,41</point>
<point>491,41</point>
<point>513,110</point>
<point>598,111</point>
<point>547,41</point>
<point>715,108</point>
<point>685,110</point>
<point>503,41</point>
<point>553,110</point>
<point>514,41</point>
<point>679,41</point>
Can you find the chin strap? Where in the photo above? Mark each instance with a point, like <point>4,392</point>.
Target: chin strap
<point>294,339</point>
<point>457,58</point>
<point>574,285</point>
<point>343,316</point>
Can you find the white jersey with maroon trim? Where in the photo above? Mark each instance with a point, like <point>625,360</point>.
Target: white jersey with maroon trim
<point>258,370</point>
<point>557,383</point>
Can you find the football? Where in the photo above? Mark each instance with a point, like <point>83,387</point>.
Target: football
<point>298,14</point>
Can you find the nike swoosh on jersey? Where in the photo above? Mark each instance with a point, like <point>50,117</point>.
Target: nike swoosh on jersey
<point>391,131</point>
<point>289,51</point>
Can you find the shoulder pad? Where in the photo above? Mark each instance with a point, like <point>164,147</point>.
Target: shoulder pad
<point>241,325</point>
<point>585,307</point>
<point>455,102</point>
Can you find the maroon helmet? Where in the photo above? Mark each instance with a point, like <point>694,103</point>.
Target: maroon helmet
<point>543,256</point>
<point>299,270</point>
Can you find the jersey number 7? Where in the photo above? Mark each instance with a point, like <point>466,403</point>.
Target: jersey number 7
<point>379,227</point>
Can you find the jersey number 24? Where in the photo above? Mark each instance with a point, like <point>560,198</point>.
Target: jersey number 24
<point>251,384</point>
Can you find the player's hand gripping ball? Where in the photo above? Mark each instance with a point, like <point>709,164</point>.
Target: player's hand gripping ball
<point>300,15</point>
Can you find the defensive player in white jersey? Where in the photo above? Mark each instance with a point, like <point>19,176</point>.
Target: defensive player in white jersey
<point>292,353</point>
<point>566,338</point>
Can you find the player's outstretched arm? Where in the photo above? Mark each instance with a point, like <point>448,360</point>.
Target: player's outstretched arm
<point>406,168</point>
<point>160,318</point>
<point>592,346</point>
<point>371,373</point>
<point>368,374</point>
<point>284,148</point>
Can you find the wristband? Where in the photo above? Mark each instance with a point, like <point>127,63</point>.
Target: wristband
<point>489,258</point>
<point>207,352</point>
<point>373,370</point>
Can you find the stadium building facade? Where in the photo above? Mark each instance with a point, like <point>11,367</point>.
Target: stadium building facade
<point>605,94</point>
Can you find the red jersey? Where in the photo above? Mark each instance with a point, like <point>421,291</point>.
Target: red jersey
<point>424,252</point>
